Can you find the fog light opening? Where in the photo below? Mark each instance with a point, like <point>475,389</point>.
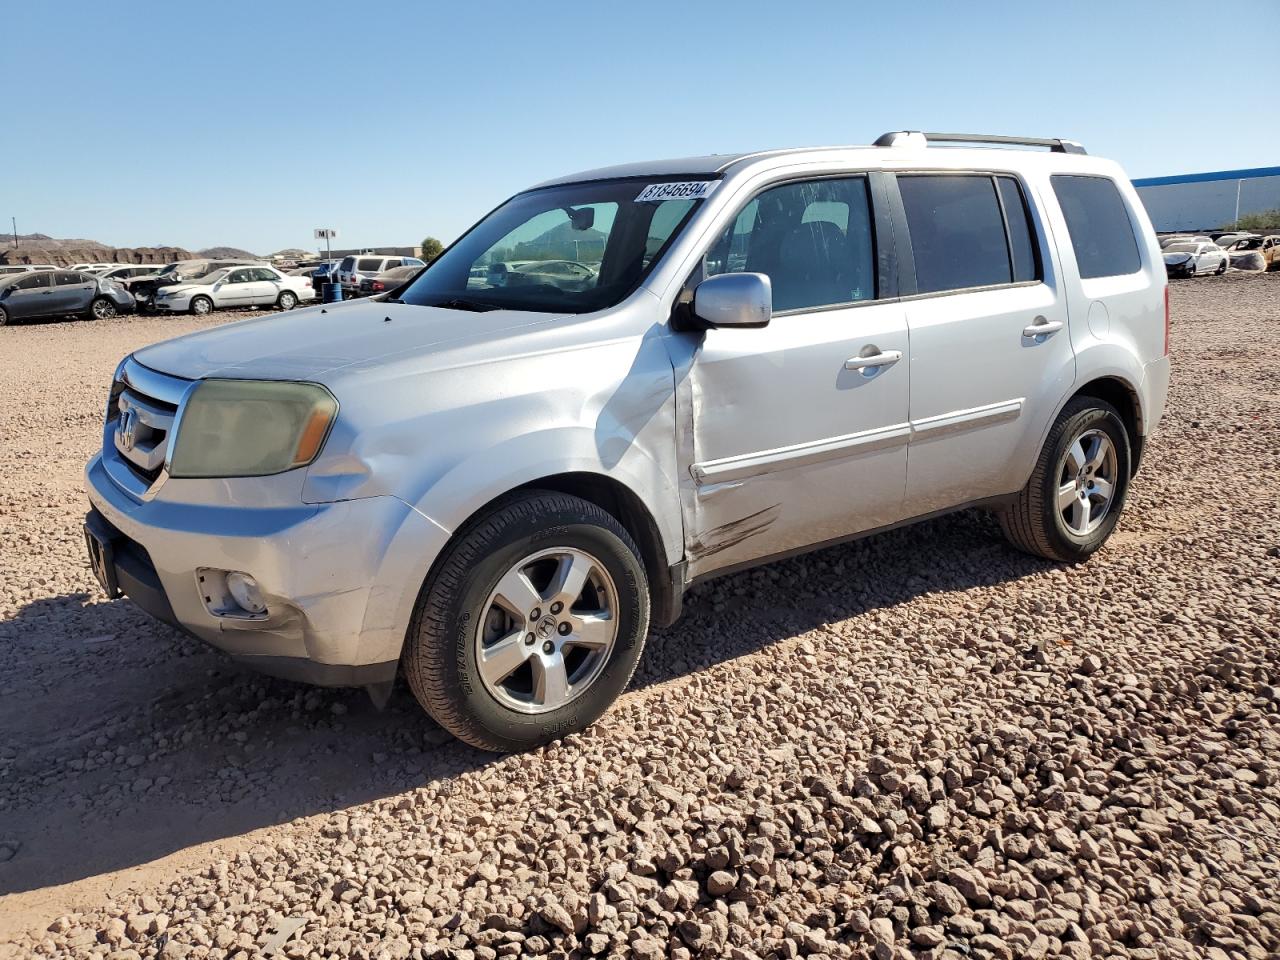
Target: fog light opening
<point>245,591</point>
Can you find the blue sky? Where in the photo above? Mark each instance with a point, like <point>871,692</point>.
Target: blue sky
<point>202,124</point>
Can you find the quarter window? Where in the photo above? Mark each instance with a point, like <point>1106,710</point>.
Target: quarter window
<point>813,240</point>
<point>1022,248</point>
<point>957,232</point>
<point>1101,232</point>
<point>66,278</point>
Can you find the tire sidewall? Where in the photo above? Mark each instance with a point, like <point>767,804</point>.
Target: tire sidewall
<point>287,298</point>
<point>201,313</point>
<point>93,309</point>
<point>4,317</point>
<point>1098,415</point>
<point>510,729</point>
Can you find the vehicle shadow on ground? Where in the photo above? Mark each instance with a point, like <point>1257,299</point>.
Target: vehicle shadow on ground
<point>122,741</point>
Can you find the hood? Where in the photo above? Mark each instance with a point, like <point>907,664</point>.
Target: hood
<point>1177,256</point>
<point>306,344</point>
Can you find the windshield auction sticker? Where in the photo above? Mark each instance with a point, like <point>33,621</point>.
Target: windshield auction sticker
<point>685,190</point>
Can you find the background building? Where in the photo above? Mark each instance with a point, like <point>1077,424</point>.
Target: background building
<point>1207,201</point>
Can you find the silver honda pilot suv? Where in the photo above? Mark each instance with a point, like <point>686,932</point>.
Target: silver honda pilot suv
<point>621,383</point>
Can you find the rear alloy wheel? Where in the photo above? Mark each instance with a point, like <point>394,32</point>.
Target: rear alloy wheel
<point>1076,492</point>
<point>102,309</point>
<point>4,316</point>
<point>531,624</point>
<point>201,306</point>
<point>287,300</point>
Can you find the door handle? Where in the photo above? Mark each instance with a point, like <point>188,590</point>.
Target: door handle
<point>881,359</point>
<point>1041,327</point>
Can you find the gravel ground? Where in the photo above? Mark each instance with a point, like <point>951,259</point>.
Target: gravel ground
<point>919,745</point>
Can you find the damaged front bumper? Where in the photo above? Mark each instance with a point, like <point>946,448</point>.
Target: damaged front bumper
<point>338,579</point>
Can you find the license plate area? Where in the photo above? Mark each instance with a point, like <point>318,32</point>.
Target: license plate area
<point>102,558</point>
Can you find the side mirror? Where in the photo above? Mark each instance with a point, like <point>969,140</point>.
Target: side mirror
<point>734,300</point>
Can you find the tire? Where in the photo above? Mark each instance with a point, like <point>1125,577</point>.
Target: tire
<point>1191,271</point>
<point>1222,268</point>
<point>464,608</point>
<point>201,306</point>
<point>1040,520</point>
<point>4,317</point>
<point>102,309</point>
<point>287,300</point>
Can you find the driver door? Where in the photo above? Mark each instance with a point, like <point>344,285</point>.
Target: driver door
<point>234,290</point>
<point>799,428</point>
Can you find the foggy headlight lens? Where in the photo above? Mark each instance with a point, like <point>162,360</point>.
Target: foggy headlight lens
<point>250,428</point>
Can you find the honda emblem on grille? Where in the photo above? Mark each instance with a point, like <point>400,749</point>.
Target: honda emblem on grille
<point>128,429</point>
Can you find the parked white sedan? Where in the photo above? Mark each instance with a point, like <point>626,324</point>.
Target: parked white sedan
<point>235,287</point>
<point>1186,259</point>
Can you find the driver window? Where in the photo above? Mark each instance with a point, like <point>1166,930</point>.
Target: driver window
<point>812,239</point>
<point>36,281</point>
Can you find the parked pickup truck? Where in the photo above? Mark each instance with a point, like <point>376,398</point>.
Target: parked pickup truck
<point>498,486</point>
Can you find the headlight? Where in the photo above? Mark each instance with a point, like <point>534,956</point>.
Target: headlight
<point>250,428</point>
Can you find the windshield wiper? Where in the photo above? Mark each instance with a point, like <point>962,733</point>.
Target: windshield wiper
<point>458,303</point>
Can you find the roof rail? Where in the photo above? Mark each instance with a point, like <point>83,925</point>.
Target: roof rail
<point>909,138</point>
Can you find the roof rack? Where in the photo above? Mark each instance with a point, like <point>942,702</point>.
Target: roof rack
<point>908,138</point>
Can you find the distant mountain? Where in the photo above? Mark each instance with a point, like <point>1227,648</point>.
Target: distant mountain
<point>293,253</point>
<point>227,253</point>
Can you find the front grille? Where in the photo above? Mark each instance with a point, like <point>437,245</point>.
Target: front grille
<point>140,418</point>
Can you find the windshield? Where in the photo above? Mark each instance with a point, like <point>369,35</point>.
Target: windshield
<point>570,249</point>
<point>1180,248</point>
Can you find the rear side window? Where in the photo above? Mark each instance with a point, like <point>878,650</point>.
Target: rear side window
<point>1101,232</point>
<point>348,263</point>
<point>957,232</point>
<point>369,266</point>
<point>65,278</point>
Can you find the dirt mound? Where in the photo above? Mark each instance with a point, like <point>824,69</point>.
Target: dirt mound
<point>38,248</point>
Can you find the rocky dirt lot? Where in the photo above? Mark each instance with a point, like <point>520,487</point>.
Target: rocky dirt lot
<point>919,745</point>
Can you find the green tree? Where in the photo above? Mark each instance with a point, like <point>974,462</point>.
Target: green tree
<point>1263,220</point>
<point>431,248</point>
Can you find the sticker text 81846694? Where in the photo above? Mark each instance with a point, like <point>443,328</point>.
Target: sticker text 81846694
<point>684,190</point>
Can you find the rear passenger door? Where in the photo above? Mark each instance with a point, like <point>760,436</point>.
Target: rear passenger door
<point>73,292</point>
<point>991,354</point>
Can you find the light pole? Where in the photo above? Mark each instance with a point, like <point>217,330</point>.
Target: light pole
<point>1239,184</point>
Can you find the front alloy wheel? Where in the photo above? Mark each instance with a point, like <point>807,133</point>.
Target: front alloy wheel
<point>103,309</point>
<point>547,631</point>
<point>530,624</point>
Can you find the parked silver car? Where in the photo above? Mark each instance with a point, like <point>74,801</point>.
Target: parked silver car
<point>61,293</point>
<point>501,486</point>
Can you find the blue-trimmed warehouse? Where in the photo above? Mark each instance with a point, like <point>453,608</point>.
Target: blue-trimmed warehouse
<point>1209,201</point>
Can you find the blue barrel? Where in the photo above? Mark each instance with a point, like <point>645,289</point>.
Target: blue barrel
<point>331,292</point>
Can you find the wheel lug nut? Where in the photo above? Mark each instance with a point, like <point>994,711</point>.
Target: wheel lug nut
<point>548,647</point>
<point>537,612</point>
<point>564,628</point>
<point>528,639</point>
<point>557,607</point>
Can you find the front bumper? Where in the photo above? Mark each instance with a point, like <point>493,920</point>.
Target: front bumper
<point>340,579</point>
